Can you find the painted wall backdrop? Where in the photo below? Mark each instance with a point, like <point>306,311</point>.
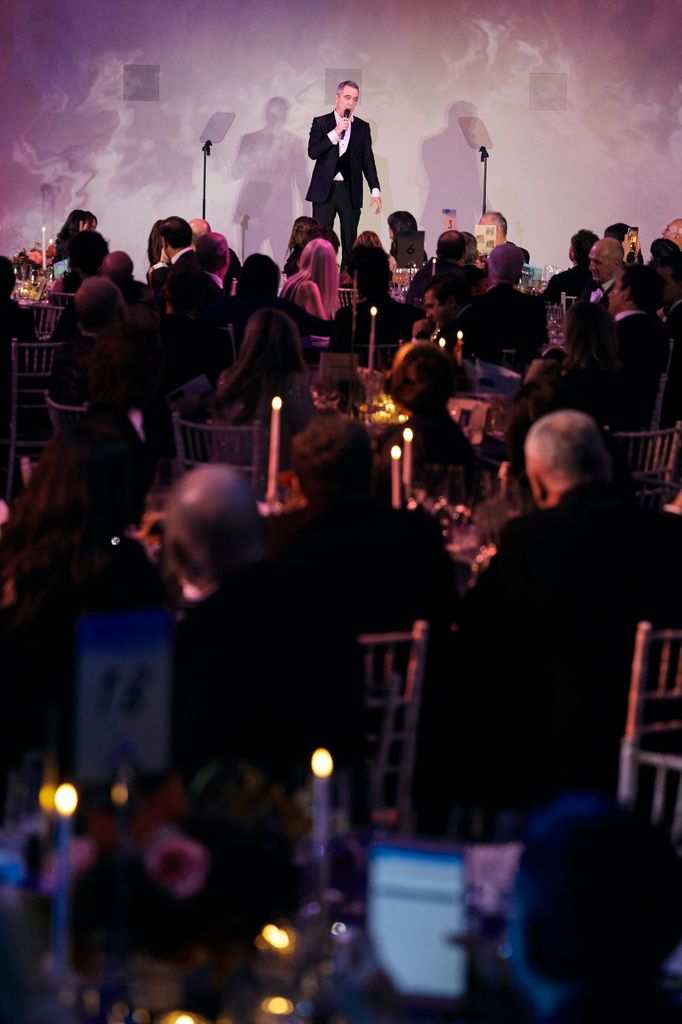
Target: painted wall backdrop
<point>579,100</point>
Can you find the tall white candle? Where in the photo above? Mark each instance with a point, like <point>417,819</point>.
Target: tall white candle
<point>408,438</point>
<point>273,458</point>
<point>395,476</point>
<point>459,346</point>
<point>44,252</point>
<point>433,267</point>
<point>65,802</point>
<point>322,765</point>
<point>372,336</point>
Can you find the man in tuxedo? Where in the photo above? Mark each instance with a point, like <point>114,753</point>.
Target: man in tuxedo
<point>341,146</point>
<point>176,241</point>
<point>576,280</point>
<point>606,259</point>
<point>673,231</point>
<point>643,348</point>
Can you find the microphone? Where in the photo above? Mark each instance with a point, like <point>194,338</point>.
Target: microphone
<point>346,113</point>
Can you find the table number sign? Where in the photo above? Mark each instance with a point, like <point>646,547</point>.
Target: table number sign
<point>123,692</point>
<point>449,220</point>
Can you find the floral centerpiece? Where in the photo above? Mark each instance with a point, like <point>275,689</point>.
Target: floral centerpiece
<point>30,259</point>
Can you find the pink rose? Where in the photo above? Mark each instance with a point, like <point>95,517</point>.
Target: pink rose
<point>178,864</point>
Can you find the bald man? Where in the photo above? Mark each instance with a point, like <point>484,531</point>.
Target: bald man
<point>117,266</point>
<point>606,262</point>
<point>233,269</point>
<point>674,232</point>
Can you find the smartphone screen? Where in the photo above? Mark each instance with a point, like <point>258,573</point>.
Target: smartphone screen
<point>415,907</point>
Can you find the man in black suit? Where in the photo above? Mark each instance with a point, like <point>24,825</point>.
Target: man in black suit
<point>504,318</point>
<point>606,259</point>
<point>547,632</point>
<point>341,146</point>
<point>176,242</point>
<point>576,280</point>
<point>643,348</point>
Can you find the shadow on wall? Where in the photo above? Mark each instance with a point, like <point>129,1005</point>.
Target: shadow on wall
<point>273,167</point>
<point>452,165</point>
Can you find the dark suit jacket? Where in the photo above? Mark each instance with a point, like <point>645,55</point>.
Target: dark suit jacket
<point>393,324</point>
<point>325,154</point>
<point>191,348</point>
<point>643,350</point>
<point>161,273</point>
<point>230,309</point>
<point>574,282</point>
<point>505,318</point>
<point>546,644</point>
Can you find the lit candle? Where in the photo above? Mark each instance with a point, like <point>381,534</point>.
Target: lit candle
<point>459,346</point>
<point>408,438</point>
<point>322,765</point>
<point>441,341</point>
<point>65,802</point>
<point>273,459</point>
<point>395,476</point>
<point>372,336</point>
<point>44,253</point>
<point>433,267</point>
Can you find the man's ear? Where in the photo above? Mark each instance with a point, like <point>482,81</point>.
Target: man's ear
<point>537,486</point>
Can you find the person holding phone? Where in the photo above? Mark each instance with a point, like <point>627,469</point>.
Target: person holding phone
<point>341,146</point>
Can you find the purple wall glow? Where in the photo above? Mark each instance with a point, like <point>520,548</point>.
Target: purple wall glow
<point>610,152</point>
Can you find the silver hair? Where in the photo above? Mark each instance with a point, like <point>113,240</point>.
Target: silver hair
<point>567,449</point>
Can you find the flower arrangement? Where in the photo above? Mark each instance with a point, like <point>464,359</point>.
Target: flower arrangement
<point>29,259</point>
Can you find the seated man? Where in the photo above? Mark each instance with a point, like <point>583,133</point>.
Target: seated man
<point>118,267</point>
<point>393,321</point>
<point>450,254</point>
<point>597,901</point>
<point>503,318</point>
<point>87,251</point>
<point>578,278</point>
<point>98,304</point>
<point>643,347</point>
<point>606,260</point>
<point>447,300</point>
<point>545,703</point>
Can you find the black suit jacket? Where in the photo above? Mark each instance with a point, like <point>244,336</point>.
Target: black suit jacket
<point>504,318</point>
<point>643,350</point>
<point>575,281</point>
<point>325,154</point>
<point>161,273</point>
<point>672,399</point>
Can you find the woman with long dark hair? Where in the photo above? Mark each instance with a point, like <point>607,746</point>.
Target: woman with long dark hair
<point>78,220</point>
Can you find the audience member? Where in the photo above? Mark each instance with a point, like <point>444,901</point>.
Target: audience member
<point>327,234</point>
<point>118,267</point>
<point>201,228</point>
<point>316,285</point>
<point>400,222</point>
<point>450,253</point>
<point>176,247</point>
<point>422,382</point>
<point>447,300</point>
<point>270,362</point>
<point>503,318</point>
<point>15,322</point>
<point>643,348</point>
<point>257,289</point>
<point>576,280</point>
<point>87,251</point>
<point>673,232</point>
<point>597,901</point>
<point>241,637</point>
<point>78,220</point>
<point>156,257</point>
<point>393,320</point>
<point>213,258</point>
<point>561,599</point>
<point>64,551</point>
<point>299,236</point>
<point>500,222</point>
<point>606,260</point>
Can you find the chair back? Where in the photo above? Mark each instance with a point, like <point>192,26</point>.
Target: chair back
<point>347,296</point>
<point>29,426</point>
<point>660,391</point>
<point>45,319</point>
<point>394,666</point>
<point>61,299</point>
<point>653,458</point>
<point>649,773</point>
<point>199,443</point>
<point>63,415</point>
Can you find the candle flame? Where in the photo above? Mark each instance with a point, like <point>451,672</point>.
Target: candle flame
<point>373,311</point>
<point>66,799</point>
<point>441,342</point>
<point>278,1005</point>
<point>460,335</point>
<point>321,763</point>
<point>396,452</point>
<point>277,402</point>
<point>408,435</point>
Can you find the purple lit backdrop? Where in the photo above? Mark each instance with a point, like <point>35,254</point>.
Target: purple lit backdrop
<point>610,152</point>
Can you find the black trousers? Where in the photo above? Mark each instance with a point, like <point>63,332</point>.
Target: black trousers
<point>349,215</point>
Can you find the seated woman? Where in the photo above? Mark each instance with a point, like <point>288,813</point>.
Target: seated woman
<point>77,221</point>
<point>63,552</point>
<point>300,233</point>
<point>270,362</point>
<point>316,286</point>
<point>368,240</point>
<point>422,381</point>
